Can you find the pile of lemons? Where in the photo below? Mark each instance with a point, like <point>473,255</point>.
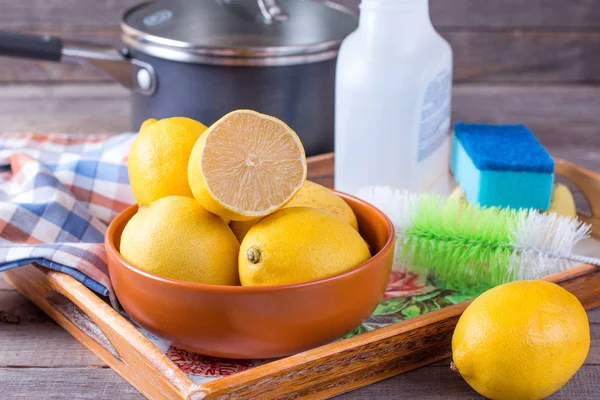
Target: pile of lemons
<point>230,205</point>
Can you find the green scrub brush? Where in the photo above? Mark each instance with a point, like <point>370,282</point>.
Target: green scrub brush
<point>462,245</point>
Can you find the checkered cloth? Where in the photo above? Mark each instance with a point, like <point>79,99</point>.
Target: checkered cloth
<point>57,195</point>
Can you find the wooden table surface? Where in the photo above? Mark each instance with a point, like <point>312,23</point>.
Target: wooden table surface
<point>38,360</point>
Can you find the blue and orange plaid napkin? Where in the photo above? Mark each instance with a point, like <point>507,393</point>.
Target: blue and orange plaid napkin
<point>57,195</point>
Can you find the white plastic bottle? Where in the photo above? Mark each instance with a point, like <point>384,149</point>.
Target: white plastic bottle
<point>393,100</point>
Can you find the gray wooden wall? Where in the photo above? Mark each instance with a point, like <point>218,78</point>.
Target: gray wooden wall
<point>494,41</point>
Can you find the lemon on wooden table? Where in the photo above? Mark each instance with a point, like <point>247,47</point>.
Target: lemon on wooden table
<point>174,237</point>
<point>310,195</point>
<point>159,156</point>
<point>299,244</point>
<point>246,166</point>
<point>521,340</point>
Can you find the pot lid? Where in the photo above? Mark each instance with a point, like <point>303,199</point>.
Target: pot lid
<point>245,32</point>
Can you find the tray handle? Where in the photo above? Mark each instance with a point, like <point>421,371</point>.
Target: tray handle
<point>104,331</point>
<point>588,182</point>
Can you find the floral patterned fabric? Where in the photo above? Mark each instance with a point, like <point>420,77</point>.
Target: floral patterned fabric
<point>406,298</point>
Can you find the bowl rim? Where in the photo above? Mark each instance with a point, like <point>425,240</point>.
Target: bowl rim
<point>111,249</point>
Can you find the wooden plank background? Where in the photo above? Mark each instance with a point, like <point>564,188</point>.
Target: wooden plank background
<point>494,41</point>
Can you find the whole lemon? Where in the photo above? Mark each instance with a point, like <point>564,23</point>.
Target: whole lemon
<point>313,195</point>
<point>174,237</point>
<point>158,158</point>
<point>299,244</point>
<point>240,228</point>
<point>521,340</point>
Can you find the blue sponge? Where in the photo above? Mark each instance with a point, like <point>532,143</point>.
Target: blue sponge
<point>501,166</point>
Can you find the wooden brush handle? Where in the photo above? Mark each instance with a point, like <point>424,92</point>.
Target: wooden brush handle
<point>588,182</point>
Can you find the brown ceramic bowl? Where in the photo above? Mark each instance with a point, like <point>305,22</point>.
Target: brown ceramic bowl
<point>255,322</point>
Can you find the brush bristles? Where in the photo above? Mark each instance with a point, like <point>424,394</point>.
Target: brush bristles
<point>542,241</point>
<point>465,245</point>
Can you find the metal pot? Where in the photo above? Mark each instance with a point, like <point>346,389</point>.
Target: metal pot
<point>204,58</point>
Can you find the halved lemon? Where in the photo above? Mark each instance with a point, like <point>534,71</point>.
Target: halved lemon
<point>246,165</point>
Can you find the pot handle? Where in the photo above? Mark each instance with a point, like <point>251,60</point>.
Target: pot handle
<point>39,47</point>
<point>134,74</point>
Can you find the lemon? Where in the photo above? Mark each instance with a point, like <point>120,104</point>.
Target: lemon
<point>521,340</point>
<point>458,194</point>
<point>299,244</point>
<point>240,228</point>
<point>159,156</point>
<point>313,195</point>
<point>246,166</point>
<point>174,237</point>
<point>561,202</point>
<point>317,196</point>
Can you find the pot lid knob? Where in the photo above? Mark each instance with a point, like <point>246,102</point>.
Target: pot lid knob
<point>271,11</point>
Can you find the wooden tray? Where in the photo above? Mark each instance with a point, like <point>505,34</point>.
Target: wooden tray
<point>316,374</point>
